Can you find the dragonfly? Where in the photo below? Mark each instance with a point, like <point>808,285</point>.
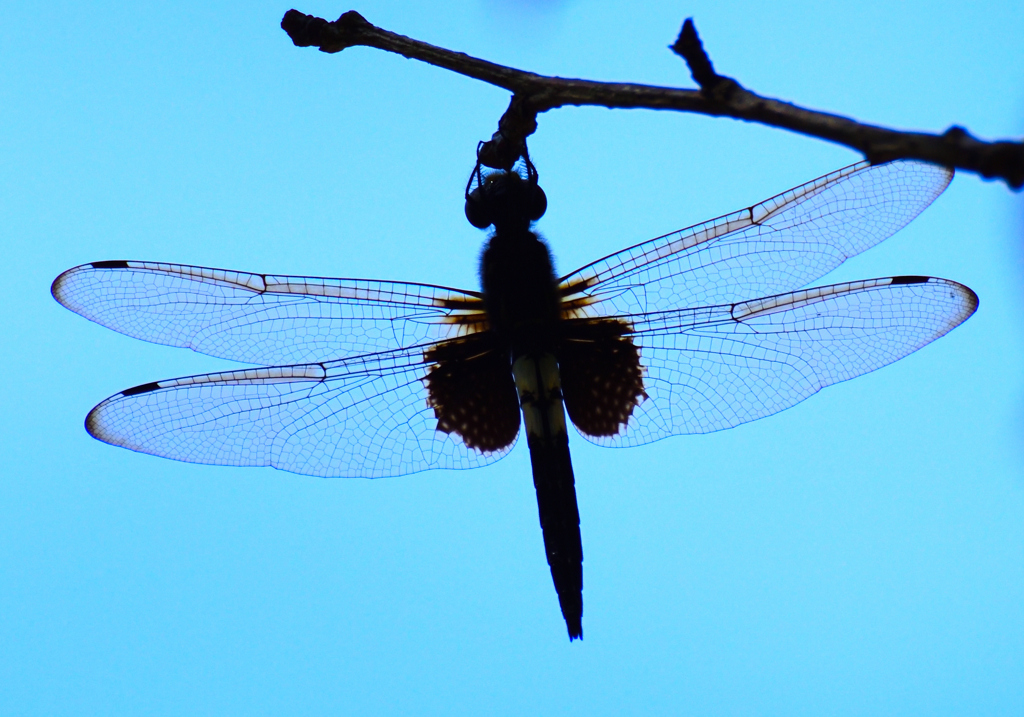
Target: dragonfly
<point>695,331</point>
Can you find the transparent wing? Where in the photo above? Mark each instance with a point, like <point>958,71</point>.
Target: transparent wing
<point>780,245</point>
<point>716,367</point>
<point>263,319</point>
<point>365,416</point>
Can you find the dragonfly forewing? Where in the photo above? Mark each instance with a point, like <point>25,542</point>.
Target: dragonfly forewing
<point>779,245</point>
<point>264,319</point>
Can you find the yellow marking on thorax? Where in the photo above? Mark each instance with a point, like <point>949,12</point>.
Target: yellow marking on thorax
<point>578,307</point>
<point>467,316</point>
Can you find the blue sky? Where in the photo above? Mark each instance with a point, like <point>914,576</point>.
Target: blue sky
<point>862,553</point>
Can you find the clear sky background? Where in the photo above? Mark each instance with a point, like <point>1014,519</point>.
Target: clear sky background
<point>861,553</point>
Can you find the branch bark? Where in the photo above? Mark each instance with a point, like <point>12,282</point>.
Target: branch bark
<point>718,96</point>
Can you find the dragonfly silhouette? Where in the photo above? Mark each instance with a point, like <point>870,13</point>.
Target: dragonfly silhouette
<point>687,333</point>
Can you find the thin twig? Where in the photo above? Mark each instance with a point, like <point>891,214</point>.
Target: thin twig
<point>719,96</point>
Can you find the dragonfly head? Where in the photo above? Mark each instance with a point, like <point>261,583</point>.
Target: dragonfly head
<point>506,200</point>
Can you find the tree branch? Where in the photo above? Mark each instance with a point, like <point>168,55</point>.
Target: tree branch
<point>719,96</point>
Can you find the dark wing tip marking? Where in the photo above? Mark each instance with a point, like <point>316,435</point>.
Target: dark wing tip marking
<point>116,264</point>
<point>57,287</point>
<point>144,388</point>
<point>966,293</point>
<point>972,299</point>
<point>93,427</point>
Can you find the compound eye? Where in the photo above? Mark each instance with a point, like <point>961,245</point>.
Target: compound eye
<point>476,209</point>
<point>537,203</point>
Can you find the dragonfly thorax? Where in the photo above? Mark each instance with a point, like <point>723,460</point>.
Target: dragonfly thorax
<point>520,290</point>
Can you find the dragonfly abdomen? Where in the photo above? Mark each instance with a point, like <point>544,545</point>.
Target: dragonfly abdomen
<point>540,396</point>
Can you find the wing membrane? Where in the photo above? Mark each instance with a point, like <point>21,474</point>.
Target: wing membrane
<point>780,245</point>
<point>365,416</point>
<point>264,319</point>
<point>717,367</point>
